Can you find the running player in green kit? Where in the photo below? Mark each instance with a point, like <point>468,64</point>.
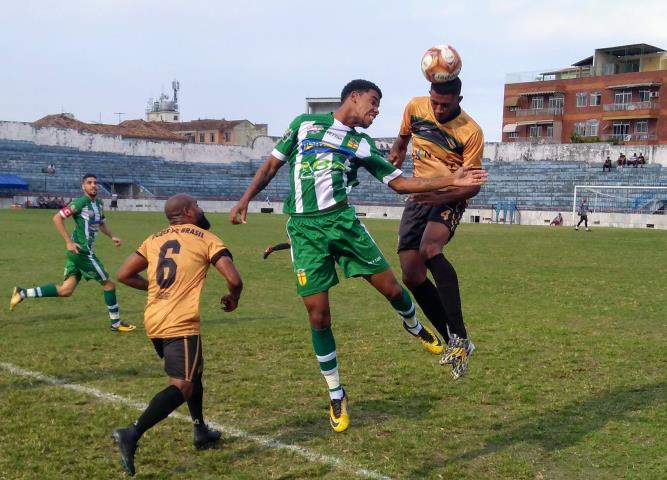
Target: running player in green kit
<point>324,153</point>
<point>81,261</point>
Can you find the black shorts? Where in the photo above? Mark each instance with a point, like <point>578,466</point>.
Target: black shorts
<point>114,204</point>
<point>416,216</point>
<point>182,356</point>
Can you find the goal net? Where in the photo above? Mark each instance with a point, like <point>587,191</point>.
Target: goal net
<point>621,198</point>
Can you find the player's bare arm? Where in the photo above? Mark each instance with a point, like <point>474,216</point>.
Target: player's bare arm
<point>263,176</point>
<point>398,150</point>
<point>129,271</point>
<point>227,269</point>
<point>104,228</point>
<point>462,178</point>
<point>59,222</point>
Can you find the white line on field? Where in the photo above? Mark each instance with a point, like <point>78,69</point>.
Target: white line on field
<point>262,440</point>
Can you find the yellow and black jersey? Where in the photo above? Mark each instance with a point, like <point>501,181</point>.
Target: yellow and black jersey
<point>441,148</point>
<point>178,259</point>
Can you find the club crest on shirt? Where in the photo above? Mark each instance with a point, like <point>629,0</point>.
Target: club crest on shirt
<point>301,277</point>
<point>352,143</point>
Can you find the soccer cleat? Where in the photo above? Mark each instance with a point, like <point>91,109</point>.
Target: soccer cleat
<point>267,252</point>
<point>458,355</point>
<point>338,415</point>
<point>576,228</point>
<point>204,437</point>
<point>122,327</point>
<point>126,439</point>
<point>428,339</point>
<point>16,298</point>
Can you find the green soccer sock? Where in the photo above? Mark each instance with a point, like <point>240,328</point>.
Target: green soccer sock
<point>112,306</point>
<point>48,290</point>
<point>325,351</point>
<point>405,307</point>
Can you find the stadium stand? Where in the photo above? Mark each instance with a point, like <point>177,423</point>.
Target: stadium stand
<point>538,185</point>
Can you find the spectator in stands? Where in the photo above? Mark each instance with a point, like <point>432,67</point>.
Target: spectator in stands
<point>41,202</point>
<point>621,160</point>
<point>51,169</point>
<point>582,211</point>
<point>558,219</point>
<point>607,164</point>
<point>641,161</point>
<point>28,203</point>
<point>633,160</point>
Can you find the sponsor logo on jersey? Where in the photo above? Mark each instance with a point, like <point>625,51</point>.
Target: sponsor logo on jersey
<point>288,133</point>
<point>374,261</point>
<point>301,277</point>
<point>352,143</point>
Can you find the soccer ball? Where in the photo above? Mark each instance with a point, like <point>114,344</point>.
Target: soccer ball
<point>441,64</point>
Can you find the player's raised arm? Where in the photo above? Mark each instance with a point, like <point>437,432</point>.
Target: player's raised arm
<point>462,178</point>
<point>227,269</point>
<point>398,150</point>
<point>129,271</point>
<point>262,178</point>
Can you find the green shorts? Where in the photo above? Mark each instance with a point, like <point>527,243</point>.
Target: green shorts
<point>320,241</point>
<point>84,265</point>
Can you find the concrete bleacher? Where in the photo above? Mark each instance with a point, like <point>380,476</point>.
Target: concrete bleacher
<point>530,184</point>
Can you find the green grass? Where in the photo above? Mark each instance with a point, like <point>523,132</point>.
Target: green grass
<point>569,380</point>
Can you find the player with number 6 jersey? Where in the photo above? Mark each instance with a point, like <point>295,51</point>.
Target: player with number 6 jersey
<point>176,260</point>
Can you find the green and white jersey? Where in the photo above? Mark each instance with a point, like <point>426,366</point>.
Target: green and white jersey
<point>88,216</point>
<point>324,156</point>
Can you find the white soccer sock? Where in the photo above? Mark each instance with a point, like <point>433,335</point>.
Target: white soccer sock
<point>413,325</point>
<point>32,293</point>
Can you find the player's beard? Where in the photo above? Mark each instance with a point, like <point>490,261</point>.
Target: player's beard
<point>203,223</point>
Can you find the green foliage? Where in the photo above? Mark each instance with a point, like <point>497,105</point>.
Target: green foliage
<point>576,138</point>
<point>568,380</point>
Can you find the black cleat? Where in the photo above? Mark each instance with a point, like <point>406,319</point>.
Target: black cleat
<point>205,437</point>
<point>126,439</point>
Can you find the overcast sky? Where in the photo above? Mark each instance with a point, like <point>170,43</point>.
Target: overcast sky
<point>259,60</point>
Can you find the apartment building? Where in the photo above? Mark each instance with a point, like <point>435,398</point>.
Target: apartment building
<point>612,96</point>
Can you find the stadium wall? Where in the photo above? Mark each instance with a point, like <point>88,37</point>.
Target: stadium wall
<point>262,146</point>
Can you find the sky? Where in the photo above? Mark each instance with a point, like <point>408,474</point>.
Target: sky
<point>260,59</point>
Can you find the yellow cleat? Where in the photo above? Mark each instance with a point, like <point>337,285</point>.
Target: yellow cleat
<point>123,327</point>
<point>338,415</point>
<point>428,339</point>
<point>16,298</point>
<point>458,355</point>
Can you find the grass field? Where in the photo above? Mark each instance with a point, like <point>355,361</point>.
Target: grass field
<point>569,380</point>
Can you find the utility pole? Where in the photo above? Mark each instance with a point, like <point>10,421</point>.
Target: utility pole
<point>119,114</point>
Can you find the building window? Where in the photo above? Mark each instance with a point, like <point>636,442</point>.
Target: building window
<point>175,118</point>
<point>212,137</point>
<point>580,128</point>
<point>581,99</point>
<point>621,129</point>
<point>228,137</point>
<point>556,101</point>
<point>535,131</point>
<point>644,95</point>
<point>596,99</point>
<point>622,97</point>
<point>641,126</point>
<point>513,109</point>
<point>608,69</point>
<point>550,131</point>
<point>537,102</point>
<point>202,138</point>
<point>513,135</point>
<point>592,128</point>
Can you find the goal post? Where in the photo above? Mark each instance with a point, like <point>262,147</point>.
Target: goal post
<point>620,198</point>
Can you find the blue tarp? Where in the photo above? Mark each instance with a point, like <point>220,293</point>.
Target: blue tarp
<point>12,181</point>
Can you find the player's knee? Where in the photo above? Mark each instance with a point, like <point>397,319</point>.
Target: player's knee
<point>429,250</point>
<point>319,319</point>
<point>64,290</point>
<point>412,279</point>
<point>184,386</point>
<point>108,285</point>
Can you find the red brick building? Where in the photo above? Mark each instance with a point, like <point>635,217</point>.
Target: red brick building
<point>613,95</point>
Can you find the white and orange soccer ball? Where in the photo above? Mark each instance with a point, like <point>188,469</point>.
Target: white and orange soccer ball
<point>441,63</point>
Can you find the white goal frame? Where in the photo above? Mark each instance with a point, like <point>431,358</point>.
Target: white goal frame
<point>595,190</point>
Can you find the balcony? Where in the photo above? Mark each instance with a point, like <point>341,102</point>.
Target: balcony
<point>534,112</point>
<point>630,137</point>
<point>534,140</point>
<point>631,106</point>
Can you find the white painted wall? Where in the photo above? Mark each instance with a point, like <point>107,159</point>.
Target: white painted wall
<point>262,146</point>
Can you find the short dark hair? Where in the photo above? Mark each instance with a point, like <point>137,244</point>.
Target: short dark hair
<point>88,175</point>
<point>452,87</point>
<point>358,85</point>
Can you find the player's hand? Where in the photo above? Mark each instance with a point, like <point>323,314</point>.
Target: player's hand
<point>116,241</point>
<point>395,160</point>
<point>73,247</point>
<point>467,177</point>
<point>229,302</point>
<point>238,213</point>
